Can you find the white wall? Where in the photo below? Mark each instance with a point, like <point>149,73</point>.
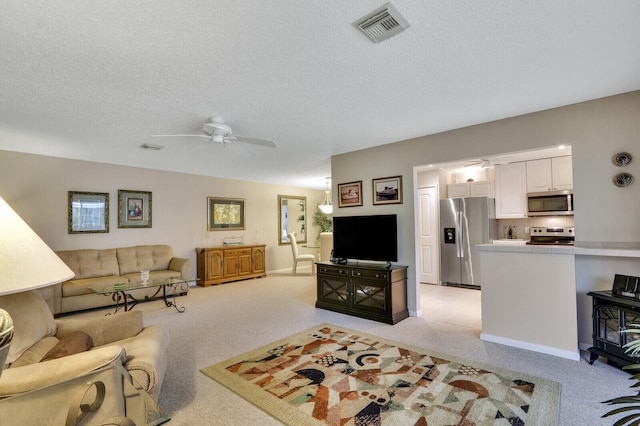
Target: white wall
<point>596,130</point>
<point>36,187</point>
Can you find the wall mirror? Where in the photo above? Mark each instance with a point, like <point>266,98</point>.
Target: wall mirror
<point>292,217</point>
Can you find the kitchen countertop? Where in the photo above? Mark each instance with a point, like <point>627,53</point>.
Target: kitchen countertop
<point>588,249</point>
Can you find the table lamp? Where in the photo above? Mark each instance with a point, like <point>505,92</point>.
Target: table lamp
<point>26,263</point>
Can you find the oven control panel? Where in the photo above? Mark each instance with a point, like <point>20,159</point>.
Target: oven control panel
<point>552,231</point>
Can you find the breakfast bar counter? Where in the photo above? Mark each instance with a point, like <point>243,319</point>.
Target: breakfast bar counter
<point>534,296</point>
<point>582,249</point>
<point>529,298</point>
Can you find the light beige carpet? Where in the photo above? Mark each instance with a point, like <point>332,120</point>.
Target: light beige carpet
<point>331,375</point>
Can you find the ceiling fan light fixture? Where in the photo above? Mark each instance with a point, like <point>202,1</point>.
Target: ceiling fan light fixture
<point>217,137</point>
<point>216,127</point>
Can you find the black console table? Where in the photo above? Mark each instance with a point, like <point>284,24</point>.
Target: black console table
<point>611,315</point>
<point>364,290</point>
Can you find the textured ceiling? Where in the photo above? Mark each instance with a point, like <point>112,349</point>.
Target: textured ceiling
<point>92,80</point>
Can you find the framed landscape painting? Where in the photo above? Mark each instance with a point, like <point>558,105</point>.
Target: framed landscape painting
<point>225,213</point>
<point>387,190</point>
<point>350,194</point>
<point>134,209</point>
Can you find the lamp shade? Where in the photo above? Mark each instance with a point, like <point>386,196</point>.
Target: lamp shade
<point>26,261</point>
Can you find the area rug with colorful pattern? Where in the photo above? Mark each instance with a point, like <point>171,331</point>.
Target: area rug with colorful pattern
<point>331,375</point>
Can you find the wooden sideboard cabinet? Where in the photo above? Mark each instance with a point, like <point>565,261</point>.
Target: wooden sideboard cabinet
<point>218,265</point>
<point>368,291</point>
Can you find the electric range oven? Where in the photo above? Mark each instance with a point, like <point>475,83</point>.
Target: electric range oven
<point>552,236</point>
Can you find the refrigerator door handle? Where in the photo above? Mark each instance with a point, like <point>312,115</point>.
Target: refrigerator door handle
<point>460,245</point>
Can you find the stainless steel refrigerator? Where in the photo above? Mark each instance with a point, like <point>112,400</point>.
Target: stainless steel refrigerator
<point>464,223</point>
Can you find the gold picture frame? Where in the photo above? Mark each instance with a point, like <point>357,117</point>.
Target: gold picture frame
<point>225,213</point>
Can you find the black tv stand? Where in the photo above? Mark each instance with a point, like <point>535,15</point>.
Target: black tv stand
<point>373,291</point>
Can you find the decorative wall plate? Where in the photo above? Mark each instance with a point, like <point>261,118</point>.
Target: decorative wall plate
<point>623,179</point>
<point>621,159</point>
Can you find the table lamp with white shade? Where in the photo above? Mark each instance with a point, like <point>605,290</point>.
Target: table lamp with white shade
<point>26,263</point>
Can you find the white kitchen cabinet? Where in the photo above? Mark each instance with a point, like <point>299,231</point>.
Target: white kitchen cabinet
<point>511,190</point>
<point>483,188</point>
<point>549,174</point>
<point>562,173</point>
<point>458,190</point>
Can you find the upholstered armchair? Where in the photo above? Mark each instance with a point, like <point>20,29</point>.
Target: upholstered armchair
<point>45,351</point>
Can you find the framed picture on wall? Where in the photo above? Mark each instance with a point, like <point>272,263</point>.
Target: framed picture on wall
<point>134,209</point>
<point>88,212</point>
<point>387,190</point>
<point>225,213</point>
<point>350,194</point>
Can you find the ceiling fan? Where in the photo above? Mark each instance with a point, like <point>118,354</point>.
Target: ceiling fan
<point>215,130</point>
<point>483,163</point>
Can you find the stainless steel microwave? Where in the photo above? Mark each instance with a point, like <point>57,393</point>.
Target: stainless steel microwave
<point>552,203</point>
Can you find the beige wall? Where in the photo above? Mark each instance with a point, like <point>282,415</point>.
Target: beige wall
<point>36,187</point>
<point>595,130</point>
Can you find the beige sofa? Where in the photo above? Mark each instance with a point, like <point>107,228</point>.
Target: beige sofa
<point>120,339</point>
<point>113,266</point>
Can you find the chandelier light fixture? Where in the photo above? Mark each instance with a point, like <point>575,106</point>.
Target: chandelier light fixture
<point>326,207</point>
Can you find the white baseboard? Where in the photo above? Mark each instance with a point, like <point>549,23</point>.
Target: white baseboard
<point>574,356</point>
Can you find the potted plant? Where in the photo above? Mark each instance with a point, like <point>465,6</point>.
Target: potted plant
<point>324,221</point>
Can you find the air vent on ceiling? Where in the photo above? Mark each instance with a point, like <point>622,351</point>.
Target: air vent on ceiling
<point>382,23</point>
<point>151,146</point>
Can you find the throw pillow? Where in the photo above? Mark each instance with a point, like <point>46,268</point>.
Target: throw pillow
<point>73,343</point>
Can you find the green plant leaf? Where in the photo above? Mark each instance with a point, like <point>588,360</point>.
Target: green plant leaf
<point>629,419</point>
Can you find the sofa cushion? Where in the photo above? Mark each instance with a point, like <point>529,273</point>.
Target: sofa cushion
<point>149,257</point>
<point>32,321</point>
<point>91,263</point>
<point>72,343</point>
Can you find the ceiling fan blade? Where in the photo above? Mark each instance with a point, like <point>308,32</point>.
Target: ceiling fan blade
<point>181,136</point>
<point>261,142</point>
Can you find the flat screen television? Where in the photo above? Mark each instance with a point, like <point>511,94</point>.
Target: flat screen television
<point>366,238</point>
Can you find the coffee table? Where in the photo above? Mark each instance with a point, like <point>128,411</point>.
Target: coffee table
<point>121,293</point>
